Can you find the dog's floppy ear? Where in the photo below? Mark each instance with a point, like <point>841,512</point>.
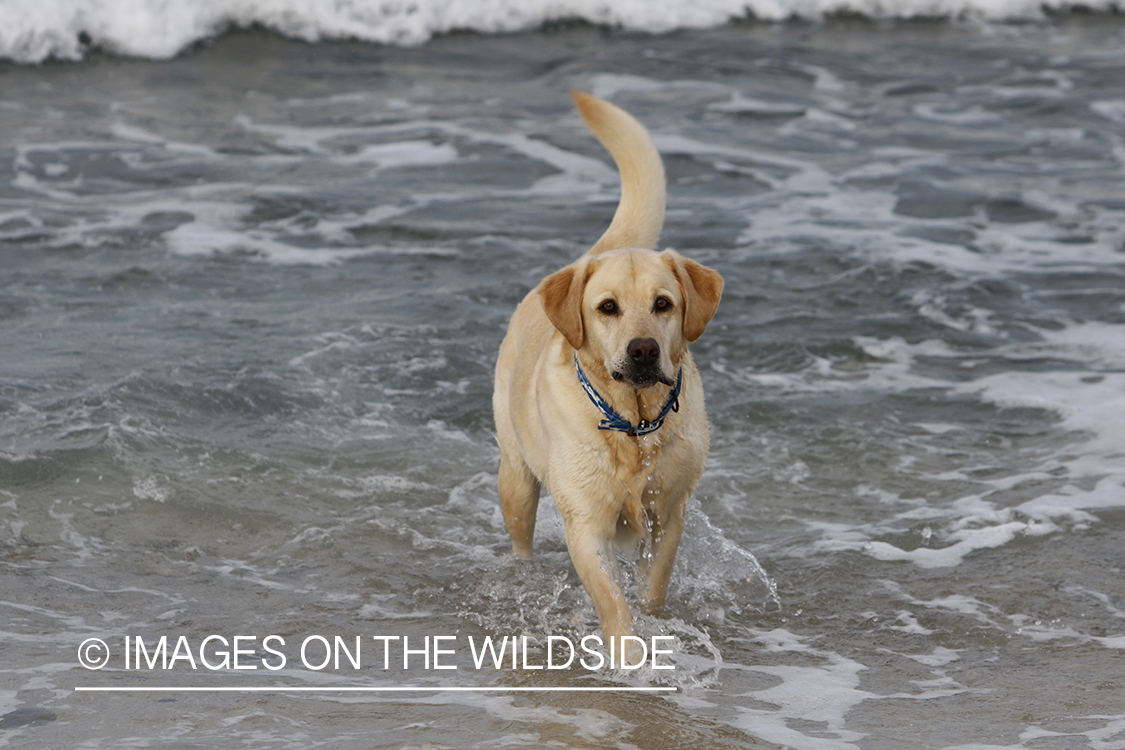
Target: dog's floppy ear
<point>702,287</point>
<point>561,294</point>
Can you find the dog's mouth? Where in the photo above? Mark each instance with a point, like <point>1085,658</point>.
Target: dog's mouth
<point>640,380</point>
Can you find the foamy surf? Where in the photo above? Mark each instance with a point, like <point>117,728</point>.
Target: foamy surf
<point>33,31</point>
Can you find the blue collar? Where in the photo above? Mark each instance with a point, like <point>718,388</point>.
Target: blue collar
<point>614,421</point>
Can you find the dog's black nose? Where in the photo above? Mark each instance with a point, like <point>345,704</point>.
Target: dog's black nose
<point>644,351</point>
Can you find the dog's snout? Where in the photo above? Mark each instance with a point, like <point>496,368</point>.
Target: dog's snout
<point>644,351</point>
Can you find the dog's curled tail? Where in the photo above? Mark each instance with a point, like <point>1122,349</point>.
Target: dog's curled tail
<point>640,214</point>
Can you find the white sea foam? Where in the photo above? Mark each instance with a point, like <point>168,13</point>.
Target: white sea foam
<point>1087,401</point>
<point>34,30</point>
<point>823,690</point>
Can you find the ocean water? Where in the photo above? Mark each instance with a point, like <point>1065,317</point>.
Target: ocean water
<point>250,301</point>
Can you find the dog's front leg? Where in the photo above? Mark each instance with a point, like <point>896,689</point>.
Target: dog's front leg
<point>666,497</point>
<point>656,566</point>
<point>592,552</point>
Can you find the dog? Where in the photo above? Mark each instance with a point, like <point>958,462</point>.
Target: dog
<point>597,398</point>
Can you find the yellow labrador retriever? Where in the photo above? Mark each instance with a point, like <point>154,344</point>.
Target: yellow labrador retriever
<point>597,398</point>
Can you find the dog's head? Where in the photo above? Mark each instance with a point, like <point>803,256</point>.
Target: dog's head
<point>634,311</point>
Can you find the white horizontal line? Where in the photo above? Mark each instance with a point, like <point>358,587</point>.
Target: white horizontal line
<point>355,689</point>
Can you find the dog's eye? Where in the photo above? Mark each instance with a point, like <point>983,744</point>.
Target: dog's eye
<point>662,304</point>
<point>609,307</point>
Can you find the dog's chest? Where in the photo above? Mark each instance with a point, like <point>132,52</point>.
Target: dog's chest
<point>633,458</point>
<point>637,471</point>
<point>631,455</point>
